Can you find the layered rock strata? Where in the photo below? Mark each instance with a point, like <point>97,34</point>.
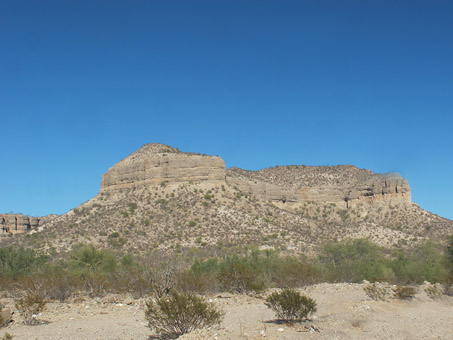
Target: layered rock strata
<point>155,164</point>
<point>160,164</point>
<point>345,185</point>
<point>18,223</point>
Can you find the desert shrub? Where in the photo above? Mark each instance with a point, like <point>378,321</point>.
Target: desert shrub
<point>191,281</point>
<point>132,207</point>
<point>180,313</point>
<point>404,292</point>
<point>290,272</point>
<point>93,267</point>
<point>89,259</point>
<point>132,277</point>
<point>7,336</point>
<point>426,262</point>
<point>37,284</point>
<point>377,292</point>
<point>136,281</point>
<point>290,305</point>
<point>241,274</point>
<point>30,306</point>
<point>448,286</point>
<point>448,282</point>
<point>353,261</point>
<point>19,262</point>
<point>162,272</point>
<point>55,283</point>
<point>61,284</point>
<point>248,271</point>
<point>449,252</point>
<point>434,291</point>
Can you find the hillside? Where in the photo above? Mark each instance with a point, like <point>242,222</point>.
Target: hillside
<point>162,198</point>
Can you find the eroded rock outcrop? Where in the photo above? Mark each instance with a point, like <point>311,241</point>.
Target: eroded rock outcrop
<point>157,163</point>
<point>342,184</point>
<point>15,223</point>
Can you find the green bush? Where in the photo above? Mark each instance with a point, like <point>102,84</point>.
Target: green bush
<point>354,261</point>
<point>89,259</point>
<point>180,313</point>
<point>19,262</point>
<point>241,274</point>
<point>448,282</point>
<point>251,271</point>
<point>93,267</point>
<point>426,262</point>
<point>290,305</point>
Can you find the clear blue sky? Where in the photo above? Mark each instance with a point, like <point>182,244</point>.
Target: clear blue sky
<point>260,83</point>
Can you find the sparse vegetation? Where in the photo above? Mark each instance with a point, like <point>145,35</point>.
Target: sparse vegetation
<point>180,313</point>
<point>18,262</point>
<point>290,305</point>
<point>30,306</point>
<point>244,270</point>
<point>434,291</point>
<point>377,292</point>
<point>404,292</point>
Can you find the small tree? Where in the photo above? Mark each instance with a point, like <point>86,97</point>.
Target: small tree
<point>180,313</point>
<point>290,305</point>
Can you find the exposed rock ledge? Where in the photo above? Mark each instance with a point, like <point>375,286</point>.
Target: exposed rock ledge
<point>15,223</point>
<point>155,164</point>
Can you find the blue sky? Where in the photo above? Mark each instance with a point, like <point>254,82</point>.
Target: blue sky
<point>260,83</point>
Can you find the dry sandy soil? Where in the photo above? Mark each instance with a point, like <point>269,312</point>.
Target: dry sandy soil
<point>344,312</point>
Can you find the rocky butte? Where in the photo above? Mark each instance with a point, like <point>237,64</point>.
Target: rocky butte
<point>161,198</point>
<point>159,164</point>
<point>344,184</point>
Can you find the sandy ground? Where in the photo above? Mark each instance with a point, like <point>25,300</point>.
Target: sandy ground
<point>344,312</point>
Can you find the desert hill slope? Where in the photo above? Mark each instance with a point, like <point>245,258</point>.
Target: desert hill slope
<point>162,198</point>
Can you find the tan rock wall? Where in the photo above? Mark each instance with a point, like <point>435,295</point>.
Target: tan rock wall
<point>380,187</point>
<point>164,168</point>
<point>17,223</point>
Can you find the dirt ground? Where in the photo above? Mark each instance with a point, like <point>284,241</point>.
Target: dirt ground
<point>344,312</point>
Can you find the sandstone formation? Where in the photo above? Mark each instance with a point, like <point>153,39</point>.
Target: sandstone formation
<point>160,164</point>
<point>343,184</point>
<point>15,223</point>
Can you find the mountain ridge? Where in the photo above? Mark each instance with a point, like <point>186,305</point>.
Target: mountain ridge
<point>162,198</point>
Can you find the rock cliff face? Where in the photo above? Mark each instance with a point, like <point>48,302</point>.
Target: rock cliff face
<point>14,223</point>
<point>156,164</point>
<point>344,184</point>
